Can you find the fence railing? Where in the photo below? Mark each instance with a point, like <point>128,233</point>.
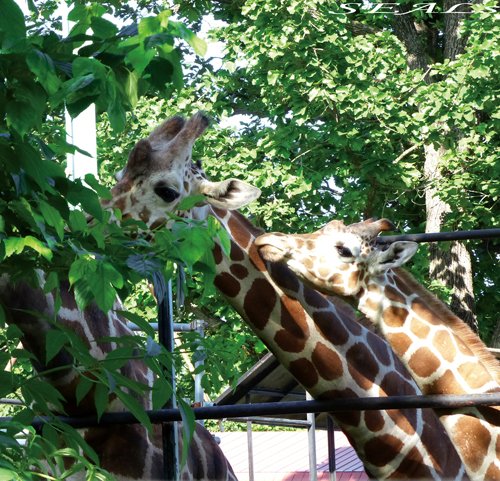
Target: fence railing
<point>281,408</point>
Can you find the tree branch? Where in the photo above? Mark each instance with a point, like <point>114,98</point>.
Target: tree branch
<point>406,152</point>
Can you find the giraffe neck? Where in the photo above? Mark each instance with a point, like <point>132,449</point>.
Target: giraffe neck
<point>444,357</point>
<point>332,356</point>
<point>129,452</point>
<point>436,344</point>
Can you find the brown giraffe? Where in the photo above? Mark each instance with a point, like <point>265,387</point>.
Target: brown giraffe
<point>440,351</point>
<point>319,342</point>
<point>129,452</point>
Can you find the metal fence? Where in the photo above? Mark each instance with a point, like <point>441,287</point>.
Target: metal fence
<point>171,414</point>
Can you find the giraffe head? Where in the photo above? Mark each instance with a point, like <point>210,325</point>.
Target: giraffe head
<point>337,258</point>
<point>160,173</point>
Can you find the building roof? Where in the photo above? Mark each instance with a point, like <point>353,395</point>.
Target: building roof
<point>269,381</point>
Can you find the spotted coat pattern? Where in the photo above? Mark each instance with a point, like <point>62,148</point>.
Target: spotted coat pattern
<point>439,350</point>
<point>128,452</point>
<point>333,356</point>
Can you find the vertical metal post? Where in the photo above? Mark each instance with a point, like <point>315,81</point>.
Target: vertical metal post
<point>311,433</point>
<point>166,337</point>
<point>332,467</point>
<point>199,360</point>
<point>251,475</point>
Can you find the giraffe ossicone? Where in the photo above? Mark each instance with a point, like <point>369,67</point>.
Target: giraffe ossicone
<point>440,351</point>
<point>160,173</point>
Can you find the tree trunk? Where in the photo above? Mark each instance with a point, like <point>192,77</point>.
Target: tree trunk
<point>451,266</point>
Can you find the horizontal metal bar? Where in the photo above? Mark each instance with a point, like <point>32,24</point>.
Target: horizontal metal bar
<point>178,326</point>
<point>290,407</point>
<point>270,421</point>
<point>14,402</point>
<point>441,236</point>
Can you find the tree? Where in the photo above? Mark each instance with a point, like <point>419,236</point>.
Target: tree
<point>383,110</point>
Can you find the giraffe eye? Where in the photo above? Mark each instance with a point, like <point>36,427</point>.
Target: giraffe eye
<point>343,251</point>
<point>166,193</point>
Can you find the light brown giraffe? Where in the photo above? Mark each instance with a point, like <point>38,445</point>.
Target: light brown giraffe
<point>319,342</point>
<point>440,351</point>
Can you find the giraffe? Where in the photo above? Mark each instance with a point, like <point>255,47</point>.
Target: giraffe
<point>319,342</point>
<point>129,452</point>
<point>440,351</point>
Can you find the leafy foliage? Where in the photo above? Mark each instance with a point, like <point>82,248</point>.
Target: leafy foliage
<point>54,225</point>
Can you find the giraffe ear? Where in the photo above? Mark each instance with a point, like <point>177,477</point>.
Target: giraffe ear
<point>229,194</point>
<point>396,255</point>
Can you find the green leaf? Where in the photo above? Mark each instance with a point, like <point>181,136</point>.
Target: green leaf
<point>43,67</point>
<point>16,245</point>
<point>51,282</point>
<point>188,427</point>
<point>101,283</point>
<point>55,341</point>
<point>7,474</point>
<point>43,394</point>
<point>139,321</point>
<point>53,218</point>
<point>139,58</point>
<point>101,399</point>
<point>144,264</point>
<point>81,269</point>
<point>87,198</point>
<point>199,45</point>
<point>131,88</point>
<point>43,172</point>
<point>190,201</point>
<point>25,111</point>
<point>83,66</point>
<point>117,115</point>
<point>102,191</point>
<point>7,383</point>
<point>135,408</point>
<point>196,242</point>
<point>77,221</point>
<point>83,388</point>
<point>149,26</point>
<point>11,24</point>
<point>161,393</point>
<point>103,28</point>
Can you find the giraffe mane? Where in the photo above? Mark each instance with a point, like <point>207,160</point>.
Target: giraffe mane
<point>457,325</point>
